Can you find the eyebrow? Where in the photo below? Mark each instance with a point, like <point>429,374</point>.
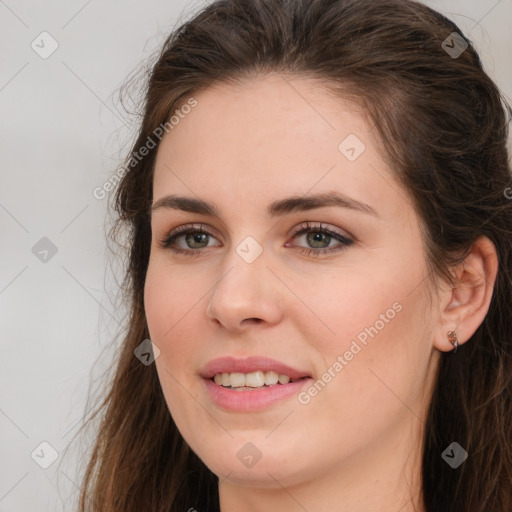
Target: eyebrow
<point>275,209</point>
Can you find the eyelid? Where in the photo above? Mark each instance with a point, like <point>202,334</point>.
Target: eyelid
<point>184,228</point>
<point>321,226</point>
<point>344,240</point>
<point>193,226</point>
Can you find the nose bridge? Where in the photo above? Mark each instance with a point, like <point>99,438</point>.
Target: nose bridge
<point>245,290</point>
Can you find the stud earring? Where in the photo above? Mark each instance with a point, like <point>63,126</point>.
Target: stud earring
<point>452,337</point>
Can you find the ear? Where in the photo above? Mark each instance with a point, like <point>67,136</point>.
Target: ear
<point>464,304</point>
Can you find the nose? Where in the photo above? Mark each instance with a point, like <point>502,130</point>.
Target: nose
<point>247,294</point>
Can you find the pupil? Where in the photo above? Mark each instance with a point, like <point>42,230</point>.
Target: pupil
<point>196,238</point>
<point>316,238</point>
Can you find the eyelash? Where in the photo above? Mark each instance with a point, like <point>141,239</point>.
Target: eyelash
<point>305,227</point>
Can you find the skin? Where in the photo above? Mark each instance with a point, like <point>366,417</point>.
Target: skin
<point>356,446</point>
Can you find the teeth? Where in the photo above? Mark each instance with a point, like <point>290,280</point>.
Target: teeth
<point>284,379</point>
<point>226,381</point>
<point>237,380</point>
<point>271,378</point>
<point>256,379</point>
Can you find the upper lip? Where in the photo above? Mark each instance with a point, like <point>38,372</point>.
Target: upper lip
<point>248,365</point>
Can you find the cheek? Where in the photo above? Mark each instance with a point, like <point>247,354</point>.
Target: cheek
<point>378,326</point>
<point>384,340</point>
<point>174,297</point>
<point>168,298</point>
<point>168,302</point>
<point>355,306</point>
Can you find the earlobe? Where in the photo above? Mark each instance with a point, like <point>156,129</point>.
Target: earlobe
<point>465,305</point>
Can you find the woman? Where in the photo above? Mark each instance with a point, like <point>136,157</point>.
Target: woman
<point>320,253</point>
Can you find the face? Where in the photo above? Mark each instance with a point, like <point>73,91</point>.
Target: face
<point>308,265</point>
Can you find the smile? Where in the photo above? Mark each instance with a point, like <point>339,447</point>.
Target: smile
<point>253,380</point>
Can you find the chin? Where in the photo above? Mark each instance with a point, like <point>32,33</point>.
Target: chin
<point>238,467</point>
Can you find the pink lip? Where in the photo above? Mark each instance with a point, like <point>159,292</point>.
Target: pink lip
<point>248,365</point>
<point>252,400</point>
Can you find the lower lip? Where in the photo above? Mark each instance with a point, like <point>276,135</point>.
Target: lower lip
<point>252,400</point>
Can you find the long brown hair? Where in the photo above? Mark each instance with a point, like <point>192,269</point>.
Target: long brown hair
<point>444,126</point>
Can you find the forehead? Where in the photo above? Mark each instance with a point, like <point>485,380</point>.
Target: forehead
<point>258,109</point>
<point>267,135</point>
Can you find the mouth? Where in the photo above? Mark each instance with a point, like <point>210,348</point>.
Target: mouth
<point>242,398</point>
<point>254,380</point>
<point>255,383</point>
<point>255,371</point>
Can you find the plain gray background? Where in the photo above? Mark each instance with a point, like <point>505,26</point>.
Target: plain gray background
<point>63,133</point>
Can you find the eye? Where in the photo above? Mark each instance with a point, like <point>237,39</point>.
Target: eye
<point>319,239</point>
<point>195,238</point>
